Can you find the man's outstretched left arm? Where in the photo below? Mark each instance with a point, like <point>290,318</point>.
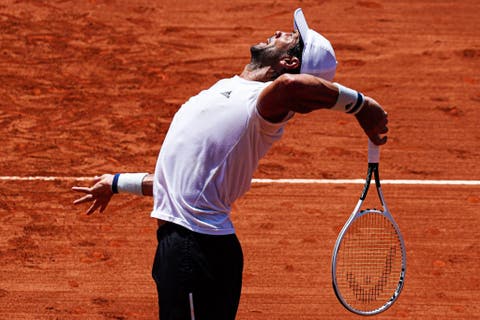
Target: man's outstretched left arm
<point>107,185</point>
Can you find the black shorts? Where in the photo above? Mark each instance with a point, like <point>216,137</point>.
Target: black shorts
<point>207,267</point>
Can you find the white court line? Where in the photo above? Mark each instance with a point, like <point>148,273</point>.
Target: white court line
<point>272,181</point>
<point>42,178</point>
<point>362,181</point>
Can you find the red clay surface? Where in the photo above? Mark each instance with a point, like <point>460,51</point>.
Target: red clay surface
<point>88,87</point>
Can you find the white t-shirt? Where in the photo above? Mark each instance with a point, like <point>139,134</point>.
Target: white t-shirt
<point>209,155</point>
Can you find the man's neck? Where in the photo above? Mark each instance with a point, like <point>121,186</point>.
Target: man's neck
<point>255,73</point>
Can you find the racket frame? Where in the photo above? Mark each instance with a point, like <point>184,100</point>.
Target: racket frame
<point>357,213</point>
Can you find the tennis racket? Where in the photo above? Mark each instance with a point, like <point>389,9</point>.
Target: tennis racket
<point>369,258</point>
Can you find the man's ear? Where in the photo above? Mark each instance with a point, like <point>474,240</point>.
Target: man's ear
<point>290,62</point>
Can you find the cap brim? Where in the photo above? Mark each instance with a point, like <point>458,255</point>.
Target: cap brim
<point>300,23</point>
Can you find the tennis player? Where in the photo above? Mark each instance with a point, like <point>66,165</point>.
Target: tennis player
<point>208,159</point>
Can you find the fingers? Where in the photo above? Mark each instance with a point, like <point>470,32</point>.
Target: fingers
<point>93,208</point>
<point>99,193</point>
<point>103,206</point>
<point>374,122</point>
<point>86,198</point>
<point>378,140</point>
<point>82,189</point>
<point>98,203</point>
<point>89,197</point>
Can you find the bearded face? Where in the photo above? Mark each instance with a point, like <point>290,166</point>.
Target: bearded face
<point>264,54</point>
<point>276,48</point>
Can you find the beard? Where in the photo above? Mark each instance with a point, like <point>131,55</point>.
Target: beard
<point>262,55</point>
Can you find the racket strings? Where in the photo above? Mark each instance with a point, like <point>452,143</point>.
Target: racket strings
<point>369,262</point>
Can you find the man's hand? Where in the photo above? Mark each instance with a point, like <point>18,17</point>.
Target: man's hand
<point>100,193</point>
<point>373,120</point>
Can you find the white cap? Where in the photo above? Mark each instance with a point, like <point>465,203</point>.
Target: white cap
<point>318,57</point>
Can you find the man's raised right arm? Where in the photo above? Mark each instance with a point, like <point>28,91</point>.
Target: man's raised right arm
<point>303,93</point>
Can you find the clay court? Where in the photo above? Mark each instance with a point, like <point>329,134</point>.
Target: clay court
<point>90,87</point>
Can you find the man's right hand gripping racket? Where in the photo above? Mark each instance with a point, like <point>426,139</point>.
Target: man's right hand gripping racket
<point>369,258</point>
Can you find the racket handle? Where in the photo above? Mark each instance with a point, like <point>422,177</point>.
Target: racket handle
<point>373,152</point>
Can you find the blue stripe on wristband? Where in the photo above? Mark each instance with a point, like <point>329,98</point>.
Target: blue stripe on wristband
<point>358,104</point>
<point>115,183</point>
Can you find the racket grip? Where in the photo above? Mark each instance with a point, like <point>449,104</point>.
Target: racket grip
<point>373,152</point>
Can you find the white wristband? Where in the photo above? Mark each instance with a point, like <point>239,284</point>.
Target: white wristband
<point>349,100</point>
<point>128,183</point>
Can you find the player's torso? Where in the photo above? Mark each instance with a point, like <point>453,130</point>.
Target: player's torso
<point>211,151</point>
